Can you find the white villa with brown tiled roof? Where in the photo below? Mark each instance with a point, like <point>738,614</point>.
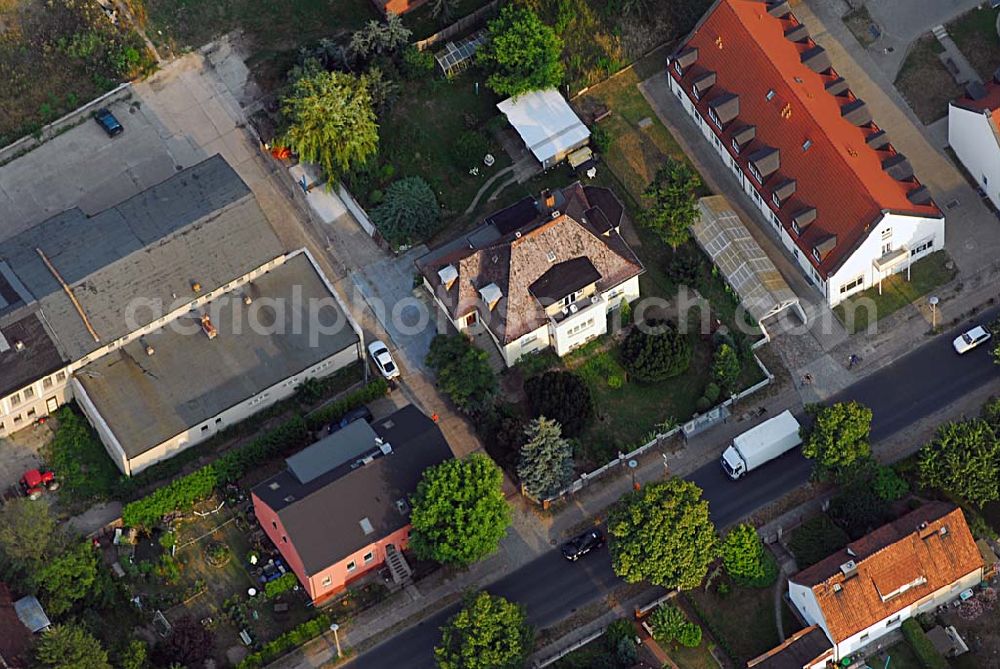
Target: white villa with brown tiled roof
<point>539,274</point>
<point>914,564</point>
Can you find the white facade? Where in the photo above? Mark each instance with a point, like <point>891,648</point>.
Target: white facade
<point>805,601</point>
<point>564,335</point>
<point>976,141</point>
<point>208,428</point>
<point>40,398</point>
<point>918,235</point>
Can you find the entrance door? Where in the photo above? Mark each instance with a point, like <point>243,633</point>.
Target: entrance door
<point>51,405</point>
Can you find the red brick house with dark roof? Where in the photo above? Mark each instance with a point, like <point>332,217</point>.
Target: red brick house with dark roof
<point>341,507</point>
<point>804,148</point>
<point>539,274</point>
<point>914,564</point>
<point>974,134</point>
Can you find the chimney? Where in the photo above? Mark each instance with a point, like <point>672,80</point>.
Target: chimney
<point>849,569</point>
<point>195,286</point>
<point>548,199</point>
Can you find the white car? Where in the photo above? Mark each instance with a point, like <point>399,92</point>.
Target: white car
<point>383,359</point>
<point>971,339</point>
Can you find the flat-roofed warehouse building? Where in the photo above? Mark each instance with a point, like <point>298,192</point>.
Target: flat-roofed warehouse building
<point>113,295</point>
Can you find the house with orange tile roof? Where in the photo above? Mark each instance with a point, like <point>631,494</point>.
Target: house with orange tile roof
<point>914,564</point>
<point>541,273</point>
<point>974,134</point>
<point>844,202</point>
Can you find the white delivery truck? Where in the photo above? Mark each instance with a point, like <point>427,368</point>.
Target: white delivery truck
<point>761,444</point>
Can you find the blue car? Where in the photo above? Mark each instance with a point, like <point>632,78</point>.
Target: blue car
<point>108,122</point>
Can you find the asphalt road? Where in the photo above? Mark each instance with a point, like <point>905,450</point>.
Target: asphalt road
<point>922,381</point>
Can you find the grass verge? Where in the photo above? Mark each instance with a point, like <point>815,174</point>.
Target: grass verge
<point>858,311</point>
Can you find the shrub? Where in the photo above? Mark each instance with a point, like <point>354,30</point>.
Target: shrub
<point>293,638</point>
<point>463,373</point>
<point>615,381</point>
<point>655,352</point>
<point>417,64</point>
<point>600,138</point>
<point>815,539</point>
<point>889,485</point>
<point>670,624</point>
<point>502,431</point>
<point>280,585</point>
<point>619,639</point>
<point>79,458</point>
<point>858,509</point>
<point>925,651</point>
<point>683,267</point>
<point>712,392</point>
<point>702,404</point>
<point>563,397</point>
<point>726,367</point>
<point>625,313</point>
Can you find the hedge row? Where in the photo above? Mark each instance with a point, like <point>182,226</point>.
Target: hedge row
<point>293,638</point>
<point>925,651</point>
<point>185,492</point>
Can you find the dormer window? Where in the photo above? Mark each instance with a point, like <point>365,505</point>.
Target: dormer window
<point>754,172</point>
<point>714,117</point>
<point>796,229</point>
<point>817,256</point>
<point>695,93</point>
<point>678,69</point>
<point>782,192</point>
<point>736,145</point>
<point>775,199</point>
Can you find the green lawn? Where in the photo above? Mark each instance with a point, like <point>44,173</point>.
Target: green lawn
<point>975,33</point>
<point>925,82</point>
<point>926,274</point>
<point>418,138</point>
<point>900,656</point>
<point>742,621</point>
<point>693,658</point>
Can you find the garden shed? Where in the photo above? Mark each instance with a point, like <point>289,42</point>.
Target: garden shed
<point>547,124</point>
<point>760,286</point>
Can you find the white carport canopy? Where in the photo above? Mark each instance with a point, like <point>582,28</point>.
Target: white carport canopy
<point>545,122</point>
<point>726,240</point>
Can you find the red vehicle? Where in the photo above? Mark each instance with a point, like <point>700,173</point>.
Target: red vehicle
<point>36,482</point>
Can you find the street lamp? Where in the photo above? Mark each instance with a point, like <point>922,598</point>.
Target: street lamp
<point>333,628</point>
<point>933,301</point>
<point>632,464</point>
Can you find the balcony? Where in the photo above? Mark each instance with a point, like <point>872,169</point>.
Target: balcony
<point>581,306</point>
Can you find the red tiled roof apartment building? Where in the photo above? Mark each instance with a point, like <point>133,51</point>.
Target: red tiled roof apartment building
<point>804,148</point>
<point>914,564</point>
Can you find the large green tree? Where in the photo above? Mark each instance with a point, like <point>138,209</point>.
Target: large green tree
<point>67,578</point>
<point>523,54</point>
<point>380,37</point>
<point>488,633</point>
<point>662,534</point>
<point>70,647</point>
<point>29,537</point>
<point>463,372</point>
<point>671,202</point>
<point>963,459</point>
<point>546,463</point>
<point>409,214</point>
<point>839,436</point>
<point>331,121</point>
<point>746,560</point>
<point>459,512</point>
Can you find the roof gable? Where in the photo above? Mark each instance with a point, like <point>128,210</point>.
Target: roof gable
<point>821,137</point>
<point>894,566</point>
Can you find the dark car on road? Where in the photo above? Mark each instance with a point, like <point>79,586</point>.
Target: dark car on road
<point>580,545</point>
<point>108,122</point>
<point>362,412</point>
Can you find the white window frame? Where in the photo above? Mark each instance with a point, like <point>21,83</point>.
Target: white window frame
<point>736,146</point>
<point>678,69</point>
<point>369,557</point>
<point>775,199</point>
<point>352,566</point>
<point>714,118</point>
<point>755,173</point>
<point>327,582</point>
